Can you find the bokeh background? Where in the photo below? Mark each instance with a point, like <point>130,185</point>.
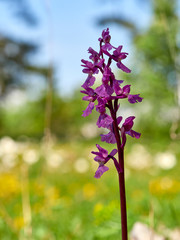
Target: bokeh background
<point>47,188</point>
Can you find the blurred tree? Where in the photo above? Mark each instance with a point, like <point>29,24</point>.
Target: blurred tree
<point>22,10</point>
<point>66,120</point>
<point>158,69</point>
<point>14,63</point>
<point>159,51</point>
<point>14,53</point>
<point>15,67</point>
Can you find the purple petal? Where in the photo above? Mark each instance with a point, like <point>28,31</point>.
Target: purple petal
<point>83,91</point>
<point>101,91</point>
<point>126,89</point>
<point>100,171</point>
<point>134,98</point>
<point>84,62</point>
<point>104,121</point>
<point>117,51</point>
<point>120,81</point>
<point>87,90</point>
<point>123,67</point>
<point>100,63</point>
<point>87,98</point>
<point>101,106</point>
<point>103,151</point>
<point>106,36</point>
<point>106,47</point>
<point>88,110</point>
<point>90,68</point>
<point>133,133</point>
<point>99,159</point>
<point>113,152</point>
<point>128,123</point>
<point>123,55</point>
<point>109,90</point>
<point>109,138</point>
<point>119,119</point>
<point>94,55</point>
<point>90,91</point>
<point>106,75</point>
<point>117,88</point>
<point>89,82</point>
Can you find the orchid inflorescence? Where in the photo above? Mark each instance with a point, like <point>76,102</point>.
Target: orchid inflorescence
<point>107,96</point>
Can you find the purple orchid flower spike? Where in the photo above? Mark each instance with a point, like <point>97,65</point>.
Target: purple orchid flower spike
<point>105,99</point>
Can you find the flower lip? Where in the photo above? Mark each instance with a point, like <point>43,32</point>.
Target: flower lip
<point>101,169</point>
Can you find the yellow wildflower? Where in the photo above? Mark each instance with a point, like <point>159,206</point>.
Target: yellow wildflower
<point>89,191</point>
<point>9,185</point>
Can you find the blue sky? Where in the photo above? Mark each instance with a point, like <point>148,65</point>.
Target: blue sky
<point>67,28</point>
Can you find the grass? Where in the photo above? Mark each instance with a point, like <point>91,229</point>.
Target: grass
<point>56,197</point>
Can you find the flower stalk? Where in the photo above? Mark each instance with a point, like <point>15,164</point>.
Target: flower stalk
<point>121,177</point>
<point>107,97</point>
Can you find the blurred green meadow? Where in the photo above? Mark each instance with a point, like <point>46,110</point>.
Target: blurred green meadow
<point>47,188</point>
<point>47,185</point>
<point>48,192</point>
